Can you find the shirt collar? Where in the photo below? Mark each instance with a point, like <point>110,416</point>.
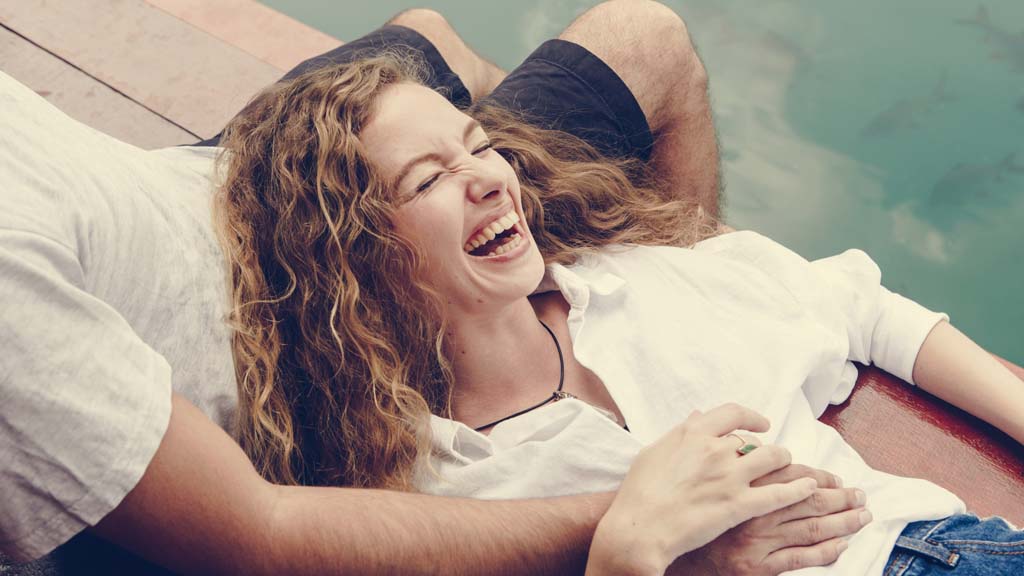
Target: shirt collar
<point>577,281</point>
<point>458,442</point>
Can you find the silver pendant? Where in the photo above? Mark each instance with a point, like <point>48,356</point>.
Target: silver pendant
<point>560,395</point>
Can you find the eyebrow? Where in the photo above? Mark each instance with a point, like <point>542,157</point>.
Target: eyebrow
<point>433,156</point>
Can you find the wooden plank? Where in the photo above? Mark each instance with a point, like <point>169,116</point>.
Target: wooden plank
<point>178,71</point>
<point>84,98</point>
<point>900,429</point>
<point>267,34</point>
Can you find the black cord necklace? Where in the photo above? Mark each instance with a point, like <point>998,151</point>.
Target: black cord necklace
<point>556,395</point>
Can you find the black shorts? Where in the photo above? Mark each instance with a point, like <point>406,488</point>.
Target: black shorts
<point>561,85</point>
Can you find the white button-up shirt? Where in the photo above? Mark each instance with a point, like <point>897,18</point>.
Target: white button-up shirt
<point>738,318</point>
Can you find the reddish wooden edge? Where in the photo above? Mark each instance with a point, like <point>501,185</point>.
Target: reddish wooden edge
<point>900,429</point>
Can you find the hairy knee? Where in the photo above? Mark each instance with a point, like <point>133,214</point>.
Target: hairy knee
<point>660,32</point>
<point>649,45</point>
<point>649,18</point>
<point>647,29</point>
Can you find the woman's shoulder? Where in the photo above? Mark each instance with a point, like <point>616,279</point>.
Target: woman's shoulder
<point>739,241</point>
<point>744,245</point>
<point>633,262</point>
<point>740,252</point>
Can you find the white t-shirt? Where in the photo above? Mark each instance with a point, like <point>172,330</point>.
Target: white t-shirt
<point>112,292</point>
<point>737,319</point>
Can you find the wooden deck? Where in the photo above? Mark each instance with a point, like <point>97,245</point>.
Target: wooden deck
<point>153,73</point>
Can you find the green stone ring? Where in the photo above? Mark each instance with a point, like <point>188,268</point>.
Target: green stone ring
<point>746,449</point>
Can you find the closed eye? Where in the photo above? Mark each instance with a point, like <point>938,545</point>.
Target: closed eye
<point>430,182</point>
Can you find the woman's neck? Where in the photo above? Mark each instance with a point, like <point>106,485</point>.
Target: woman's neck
<point>502,361</point>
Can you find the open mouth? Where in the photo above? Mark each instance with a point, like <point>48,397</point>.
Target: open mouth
<point>501,244</point>
<point>499,237</point>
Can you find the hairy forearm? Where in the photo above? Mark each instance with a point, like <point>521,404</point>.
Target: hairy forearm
<point>951,366</point>
<point>373,531</point>
<point>201,508</point>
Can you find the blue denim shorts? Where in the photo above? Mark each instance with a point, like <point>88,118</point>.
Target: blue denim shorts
<point>962,545</point>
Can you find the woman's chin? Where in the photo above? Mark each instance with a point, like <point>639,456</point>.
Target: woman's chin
<point>502,282</point>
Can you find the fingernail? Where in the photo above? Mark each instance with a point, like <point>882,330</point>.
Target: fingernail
<point>865,517</point>
<point>839,481</point>
<point>860,497</point>
<point>843,545</point>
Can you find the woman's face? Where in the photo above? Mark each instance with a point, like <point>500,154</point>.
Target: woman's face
<point>461,199</point>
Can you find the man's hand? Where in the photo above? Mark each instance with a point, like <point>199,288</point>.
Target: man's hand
<point>689,487</point>
<point>808,533</point>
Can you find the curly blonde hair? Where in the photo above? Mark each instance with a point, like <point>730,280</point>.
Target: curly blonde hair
<point>338,342</point>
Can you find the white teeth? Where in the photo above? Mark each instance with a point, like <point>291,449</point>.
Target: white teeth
<point>489,232</point>
<point>511,244</point>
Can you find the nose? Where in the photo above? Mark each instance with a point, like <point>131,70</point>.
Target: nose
<point>486,181</point>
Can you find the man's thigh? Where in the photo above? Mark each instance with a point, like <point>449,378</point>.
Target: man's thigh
<point>564,86</point>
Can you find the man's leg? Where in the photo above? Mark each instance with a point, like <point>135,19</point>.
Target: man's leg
<point>479,75</point>
<point>625,78</point>
<point>648,46</point>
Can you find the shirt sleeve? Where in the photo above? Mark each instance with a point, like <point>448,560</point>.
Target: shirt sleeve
<point>884,328</point>
<point>84,402</point>
<point>844,294</point>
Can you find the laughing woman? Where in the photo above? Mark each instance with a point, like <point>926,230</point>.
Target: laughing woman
<point>459,303</point>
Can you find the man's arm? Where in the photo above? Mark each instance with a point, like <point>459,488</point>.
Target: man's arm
<point>201,507</point>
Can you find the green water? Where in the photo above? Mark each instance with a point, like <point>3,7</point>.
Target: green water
<point>886,126</point>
